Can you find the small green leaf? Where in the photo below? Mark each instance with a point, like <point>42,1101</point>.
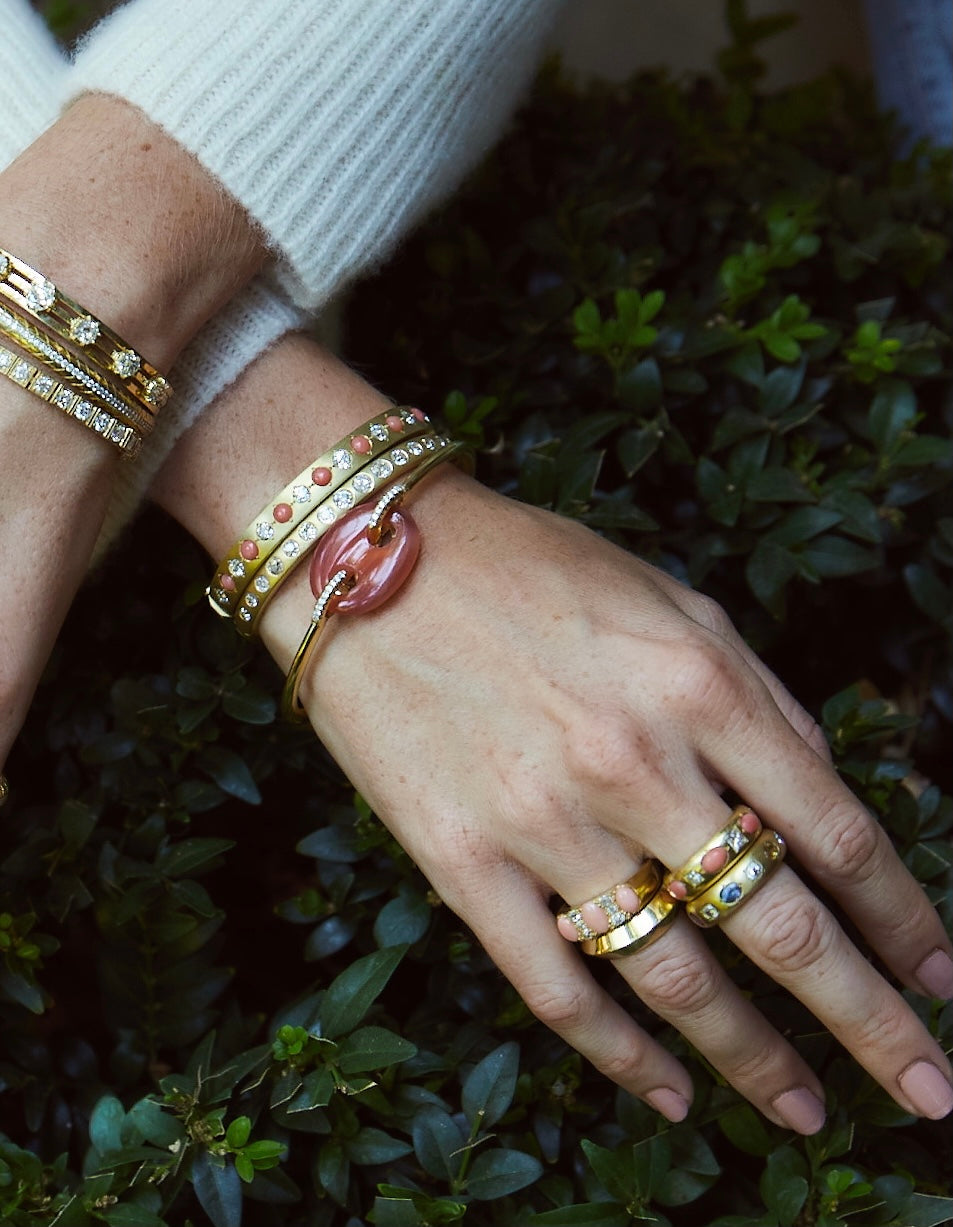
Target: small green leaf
<point>495,1173</point>
<point>218,1189</point>
<point>230,773</point>
<point>438,1142</point>
<point>372,1048</point>
<point>105,1124</point>
<point>354,991</point>
<point>489,1087</point>
<point>238,1132</point>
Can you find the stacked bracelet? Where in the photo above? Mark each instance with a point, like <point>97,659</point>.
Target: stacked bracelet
<point>82,367</point>
<point>359,565</point>
<point>290,525</point>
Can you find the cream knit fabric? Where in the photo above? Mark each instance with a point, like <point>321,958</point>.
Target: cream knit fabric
<point>336,123</point>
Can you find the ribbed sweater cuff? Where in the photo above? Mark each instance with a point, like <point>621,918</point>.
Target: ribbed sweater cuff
<point>33,71</point>
<point>336,124</point>
<point>248,326</point>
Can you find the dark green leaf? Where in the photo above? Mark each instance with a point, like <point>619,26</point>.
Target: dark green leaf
<point>230,773</point>
<point>489,1087</point>
<point>178,859</point>
<point>218,1189</point>
<point>105,1124</point>
<point>354,991</point>
<point>375,1146</point>
<point>438,1143</point>
<point>495,1173</point>
<point>372,1048</point>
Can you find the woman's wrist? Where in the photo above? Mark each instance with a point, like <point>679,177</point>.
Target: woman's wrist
<point>110,208</point>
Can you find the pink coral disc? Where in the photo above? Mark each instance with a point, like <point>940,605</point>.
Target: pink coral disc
<point>378,570</point>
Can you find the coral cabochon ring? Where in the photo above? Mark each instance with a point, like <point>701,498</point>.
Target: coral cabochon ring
<point>716,856</point>
<point>611,908</point>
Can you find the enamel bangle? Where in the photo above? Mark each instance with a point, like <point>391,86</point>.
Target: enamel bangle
<point>714,857</point>
<point>746,876</point>
<point>41,383</point>
<point>635,934</point>
<point>30,290</point>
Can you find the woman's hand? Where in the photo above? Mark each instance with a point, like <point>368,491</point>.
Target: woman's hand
<point>535,712</point>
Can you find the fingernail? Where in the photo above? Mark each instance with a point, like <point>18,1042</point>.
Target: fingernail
<point>800,1109</point>
<point>672,1105</point>
<point>927,1090</point>
<point>935,973</point>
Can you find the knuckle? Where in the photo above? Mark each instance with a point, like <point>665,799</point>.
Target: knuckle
<point>705,677</point>
<point>708,613</point>
<point>600,750</point>
<point>878,1028</point>
<point>795,932</point>
<point>851,843</point>
<point>754,1064</point>
<point>679,985</point>
<point>562,1007</point>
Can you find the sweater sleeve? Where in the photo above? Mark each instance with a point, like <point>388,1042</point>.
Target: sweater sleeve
<point>336,123</point>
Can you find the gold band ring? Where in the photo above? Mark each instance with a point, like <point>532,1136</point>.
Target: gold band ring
<point>611,908</point>
<point>710,862</point>
<point>640,931</point>
<point>747,875</point>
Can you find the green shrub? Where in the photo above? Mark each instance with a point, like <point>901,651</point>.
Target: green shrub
<point>712,325</point>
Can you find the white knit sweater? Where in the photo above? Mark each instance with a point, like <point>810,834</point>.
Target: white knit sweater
<point>336,123</point>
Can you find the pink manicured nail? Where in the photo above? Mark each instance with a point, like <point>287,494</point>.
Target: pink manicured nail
<point>927,1089</point>
<point>800,1109</point>
<point>935,973</point>
<point>673,1107</point>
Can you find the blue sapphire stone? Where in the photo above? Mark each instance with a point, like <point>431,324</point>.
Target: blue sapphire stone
<point>730,893</point>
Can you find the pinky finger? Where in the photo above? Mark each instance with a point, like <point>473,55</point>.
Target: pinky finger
<point>551,976</point>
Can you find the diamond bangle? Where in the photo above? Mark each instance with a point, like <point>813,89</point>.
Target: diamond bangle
<point>105,349</point>
<point>41,383</point>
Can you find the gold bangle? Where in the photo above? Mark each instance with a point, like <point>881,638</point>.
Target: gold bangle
<point>72,371</point>
<point>746,876</point>
<point>42,384</point>
<point>715,857</point>
<point>635,934</point>
<point>29,289</point>
<point>291,518</point>
<point>291,708</point>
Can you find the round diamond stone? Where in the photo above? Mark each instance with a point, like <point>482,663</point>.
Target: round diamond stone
<point>125,362</point>
<point>399,456</point>
<point>326,514</point>
<point>264,531</point>
<point>236,567</point>
<point>343,499</point>
<point>290,549</point>
<point>4,265</point>
<point>382,469</point>
<point>262,584</point>
<point>43,384</point>
<point>308,532</point>
<point>245,615</point>
<point>103,422</point>
<point>363,483</point>
<point>341,458</point>
<point>709,912</point>
<point>379,432</point>
<point>754,870</point>
<point>251,600</point>
<point>42,296</point>
<point>84,330</point>
<point>730,893</point>
<point>63,399</point>
<point>415,448</point>
<point>118,433</point>
<point>276,566</point>
<point>157,392</point>
<point>83,411</point>
<point>301,494</point>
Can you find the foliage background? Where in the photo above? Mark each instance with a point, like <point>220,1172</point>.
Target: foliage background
<point>713,325</point>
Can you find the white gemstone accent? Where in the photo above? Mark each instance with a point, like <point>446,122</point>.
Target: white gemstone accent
<point>736,839</point>
<point>103,422</point>
<point>6,359</point>
<point>754,870</point>
<point>157,392</point>
<point>236,567</point>
<point>341,458</point>
<point>264,531</point>
<point>21,372</point>
<point>308,532</point>
<point>42,296</point>
<point>342,499</point>
<point>382,469</point>
<point>262,584</point>
<point>63,399</point>
<point>415,447</point>
<point>409,417</point>
<point>429,443</point>
<point>125,362</point>
<point>221,596</point>
<point>290,549</point>
<point>84,330</point>
<point>43,384</point>
<point>709,912</point>
<point>694,877</point>
<point>251,600</point>
<point>83,411</point>
<point>326,514</point>
<point>4,265</point>
<point>275,566</point>
<point>245,615</point>
<point>379,432</point>
<point>399,456</point>
<point>118,432</point>
<point>301,494</point>
<point>363,483</point>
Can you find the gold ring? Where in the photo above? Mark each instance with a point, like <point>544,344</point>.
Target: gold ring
<point>641,930</point>
<point>747,875</point>
<point>710,862</point>
<point>613,907</point>
<point>4,789</point>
